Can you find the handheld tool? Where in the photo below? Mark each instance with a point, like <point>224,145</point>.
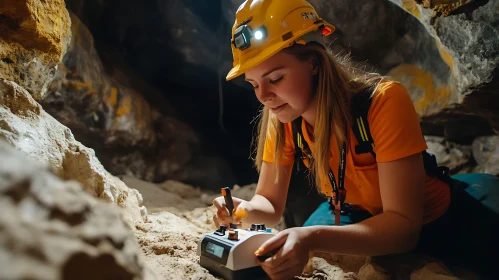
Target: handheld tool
<point>229,252</point>
<point>228,199</point>
<point>229,203</point>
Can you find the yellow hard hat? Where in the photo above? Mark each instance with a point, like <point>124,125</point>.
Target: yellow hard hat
<point>264,27</point>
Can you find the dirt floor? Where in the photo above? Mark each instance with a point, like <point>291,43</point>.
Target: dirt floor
<point>179,214</point>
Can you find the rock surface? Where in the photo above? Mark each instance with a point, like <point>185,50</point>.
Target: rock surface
<point>50,229</point>
<point>25,125</point>
<point>129,124</point>
<point>467,36</point>
<point>486,154</point>
<point>34,37</point>
<point>457,157</point>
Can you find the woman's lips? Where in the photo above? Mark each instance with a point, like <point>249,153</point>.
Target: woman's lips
<point>278,108</point>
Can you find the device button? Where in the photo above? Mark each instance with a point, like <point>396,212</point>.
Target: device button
<point>233,226</point>
<point>221,230</point>
<point>233,235</point>
<point>254,227</point>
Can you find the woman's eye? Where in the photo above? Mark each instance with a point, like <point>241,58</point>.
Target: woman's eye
<point>253,86</point>
<point>276,80</point>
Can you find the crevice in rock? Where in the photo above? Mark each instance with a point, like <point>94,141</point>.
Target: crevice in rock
<point>8,22</point>
<point>19,190</point>
<point>475,117</point>
<point>81,266</point>
<point>72,219</point>
<point>7,59</point>
<point>469,8</point>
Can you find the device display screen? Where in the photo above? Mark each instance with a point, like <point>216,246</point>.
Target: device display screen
<point>214,249</point>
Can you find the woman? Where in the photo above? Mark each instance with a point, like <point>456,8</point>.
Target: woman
<point>277,46</point>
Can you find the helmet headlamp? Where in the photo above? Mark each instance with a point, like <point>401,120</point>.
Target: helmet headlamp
<point>244,34</point>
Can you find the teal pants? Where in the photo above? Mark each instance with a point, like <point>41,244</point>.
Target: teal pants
<point>465,236</point>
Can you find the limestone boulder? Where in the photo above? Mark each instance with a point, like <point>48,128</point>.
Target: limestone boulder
<point>52,229</point>
<point>457,157</point>
<point>35,34</point>
<point>25,125</point>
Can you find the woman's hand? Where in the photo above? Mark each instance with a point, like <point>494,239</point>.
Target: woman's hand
<point>291,256</point>
<point>241,210</point>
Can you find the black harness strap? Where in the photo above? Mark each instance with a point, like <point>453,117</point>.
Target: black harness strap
<point>339,191</point>
<point>299,146</point>
<point>359,110</point>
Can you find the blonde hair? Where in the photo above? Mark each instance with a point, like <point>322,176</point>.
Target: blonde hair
<point>336,82</point>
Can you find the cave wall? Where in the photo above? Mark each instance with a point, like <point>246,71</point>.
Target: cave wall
<point>129,124</point>
<point>143,83</point>
<point>426,47</point>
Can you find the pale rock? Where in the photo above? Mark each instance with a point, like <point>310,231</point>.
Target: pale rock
<point>24,124</point>
<point>486,153</point>
<point>372,271</point>
<point>447,153</point>
<point>323,265</point>
<point>434,271</point>
<point>52,229</point>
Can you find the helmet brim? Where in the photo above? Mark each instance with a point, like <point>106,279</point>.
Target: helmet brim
<point>268,52</point>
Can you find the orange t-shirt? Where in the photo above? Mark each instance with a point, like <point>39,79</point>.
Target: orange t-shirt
<point>395,129</point>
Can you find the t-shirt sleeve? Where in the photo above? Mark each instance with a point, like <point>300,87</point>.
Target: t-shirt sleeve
<point>394,123</point>
<point>269,147</point>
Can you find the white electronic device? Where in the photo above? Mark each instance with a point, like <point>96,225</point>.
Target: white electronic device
<point>230,253</point>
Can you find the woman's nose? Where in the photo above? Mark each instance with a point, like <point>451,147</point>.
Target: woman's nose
<point>264,94</point>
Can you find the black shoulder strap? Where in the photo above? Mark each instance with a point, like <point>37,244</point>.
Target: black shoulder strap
<point>301,145</point>
<point>359,109</point>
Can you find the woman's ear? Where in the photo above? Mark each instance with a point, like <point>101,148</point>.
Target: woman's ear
<point>315,70</point>
<point>315,65</point>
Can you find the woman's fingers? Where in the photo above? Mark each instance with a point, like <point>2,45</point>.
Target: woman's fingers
<point>219,203</point>
<point>275,262</point>
<point>272,244</point>
<point>223,216</point>
<point>216,222</point>
<point>286,273</point>
<point>280,268</point>
<point>280,271</point>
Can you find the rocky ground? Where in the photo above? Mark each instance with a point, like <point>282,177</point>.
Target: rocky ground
<point>170,236</point>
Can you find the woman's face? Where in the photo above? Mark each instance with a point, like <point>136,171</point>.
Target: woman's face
<point>285,85</point>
